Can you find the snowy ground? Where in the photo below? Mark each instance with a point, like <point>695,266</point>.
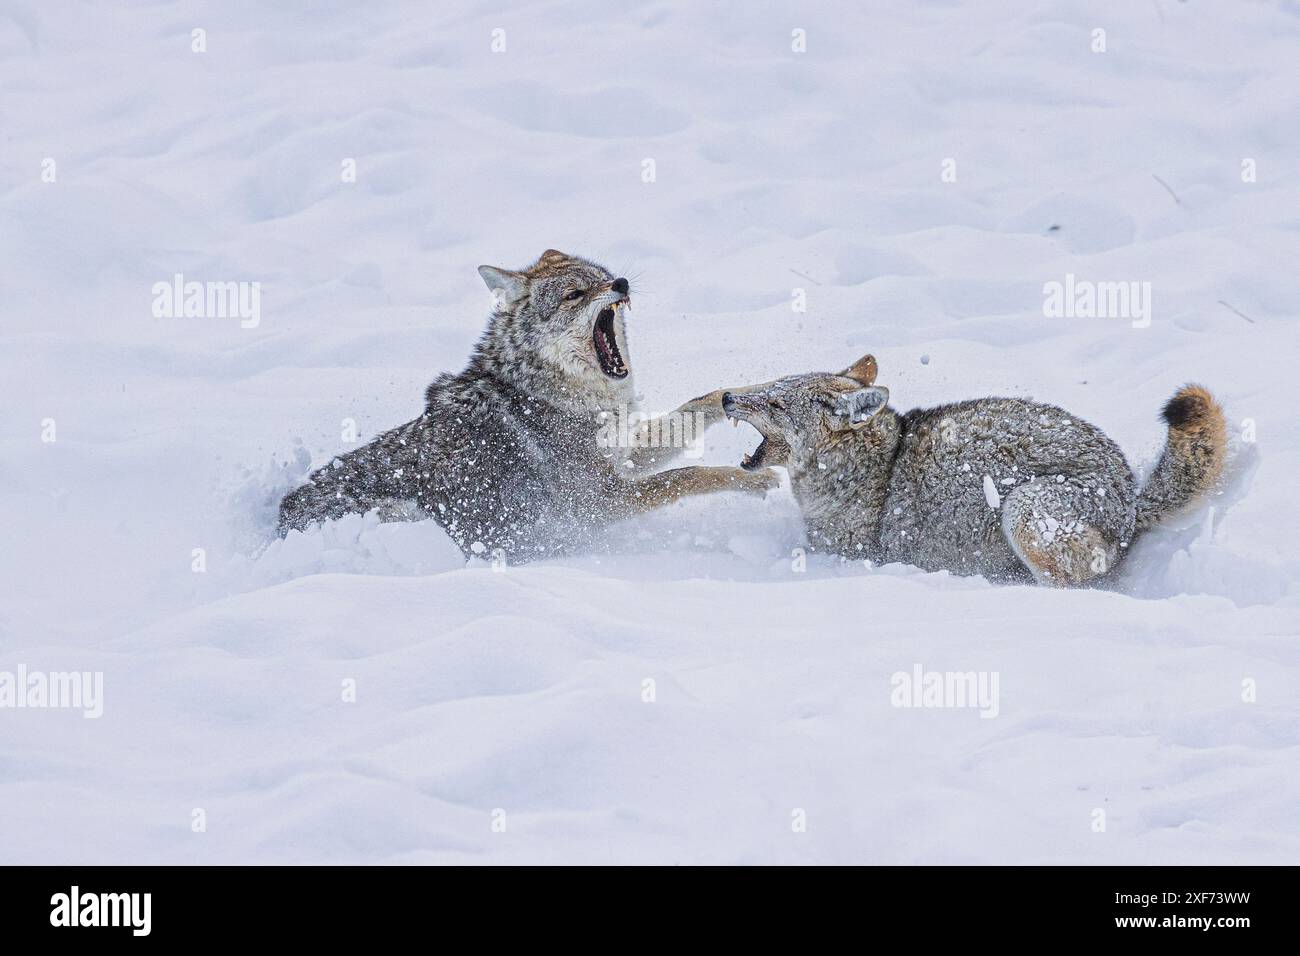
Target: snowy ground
<point>517,697</point>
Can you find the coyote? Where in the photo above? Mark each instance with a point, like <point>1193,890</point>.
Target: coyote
<point>1008,488</point>
<point>505,456</point>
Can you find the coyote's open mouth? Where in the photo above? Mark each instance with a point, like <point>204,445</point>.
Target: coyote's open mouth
<point>607,353</point>
<point>773,448</point>
<point>754,460</point>
<point>735,414</point>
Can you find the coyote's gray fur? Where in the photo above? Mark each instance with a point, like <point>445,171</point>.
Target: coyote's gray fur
<point>1003,487</point>
<point>505,456</point>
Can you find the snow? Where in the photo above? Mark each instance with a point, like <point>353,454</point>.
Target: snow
<point>991,496</point>
<point>505,715</point>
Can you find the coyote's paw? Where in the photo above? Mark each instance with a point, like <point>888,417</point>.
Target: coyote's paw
<point>712,400</point>
<point>758,482</point>
<point>710,406</point>
<point>707,406</point>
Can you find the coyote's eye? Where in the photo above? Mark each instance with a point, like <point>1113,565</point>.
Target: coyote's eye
<point>573,295</point>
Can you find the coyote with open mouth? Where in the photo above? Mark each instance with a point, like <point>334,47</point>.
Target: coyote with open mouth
<point>1009,488</point>
<point>505,455</point>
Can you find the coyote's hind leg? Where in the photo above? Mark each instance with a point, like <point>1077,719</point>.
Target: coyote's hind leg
<point>1066,533</point>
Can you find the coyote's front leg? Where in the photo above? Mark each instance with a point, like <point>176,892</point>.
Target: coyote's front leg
<point>665,487</point>
<point>656,442</point>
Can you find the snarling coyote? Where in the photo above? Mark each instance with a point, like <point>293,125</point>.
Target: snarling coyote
<point>1004,487</point>
<point>505,455</point>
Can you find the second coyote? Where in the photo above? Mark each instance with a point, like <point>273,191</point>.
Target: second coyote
<point>1004,487</point>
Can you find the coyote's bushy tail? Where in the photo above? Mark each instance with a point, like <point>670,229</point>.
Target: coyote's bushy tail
<point>1193,457</point>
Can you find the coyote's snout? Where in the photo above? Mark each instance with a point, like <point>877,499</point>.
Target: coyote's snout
<point>1003,487</point>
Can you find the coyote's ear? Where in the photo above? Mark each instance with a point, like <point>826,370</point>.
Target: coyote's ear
<point>860,406</point>
<point>552,255</point>
<point>506,287</point>
<point>863,370</point>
